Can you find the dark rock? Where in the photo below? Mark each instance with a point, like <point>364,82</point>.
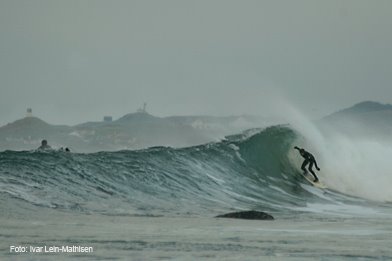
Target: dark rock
<point>248,215</point>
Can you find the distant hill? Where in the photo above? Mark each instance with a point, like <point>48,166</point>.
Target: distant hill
<point>365,118</point>
<point>28,132</point>
<point>139,117</point>
<point>362,107</point>
<point>140,130</point>
<point>132,131</point>
<point>36,126</point>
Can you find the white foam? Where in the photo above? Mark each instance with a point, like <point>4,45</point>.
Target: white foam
<point>360,167</point>
<point>341,209</point>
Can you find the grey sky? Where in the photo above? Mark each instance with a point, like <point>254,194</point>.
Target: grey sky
<point>73,61</point>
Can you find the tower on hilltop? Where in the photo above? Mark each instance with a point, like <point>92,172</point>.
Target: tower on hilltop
<point>143,109</point>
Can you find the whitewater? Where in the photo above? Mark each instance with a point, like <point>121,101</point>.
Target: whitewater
<point>160,203</point>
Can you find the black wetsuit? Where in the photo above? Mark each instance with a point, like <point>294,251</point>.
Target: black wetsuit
<point>309,159</point>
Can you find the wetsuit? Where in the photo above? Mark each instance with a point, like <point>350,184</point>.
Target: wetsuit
<point>309,159</point>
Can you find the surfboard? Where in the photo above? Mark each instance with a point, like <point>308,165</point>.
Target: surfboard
<point>310,179</point>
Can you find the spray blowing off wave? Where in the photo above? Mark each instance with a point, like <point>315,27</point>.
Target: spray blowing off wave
<point>351,165</point>
<point>351,162</point>
<point>241,172</point>
<point>358,167</point>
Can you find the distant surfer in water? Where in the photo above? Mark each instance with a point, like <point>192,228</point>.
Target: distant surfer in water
<point>44,145</point>
<point>309,159</point>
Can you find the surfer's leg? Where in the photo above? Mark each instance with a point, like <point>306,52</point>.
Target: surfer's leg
<point>311,171</point>
<point>303,167</point>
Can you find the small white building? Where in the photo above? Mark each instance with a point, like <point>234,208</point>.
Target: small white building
<point>107,119</point>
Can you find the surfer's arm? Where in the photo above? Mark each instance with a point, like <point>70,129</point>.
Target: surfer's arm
<point>315,164</point>
<point>296,148</point>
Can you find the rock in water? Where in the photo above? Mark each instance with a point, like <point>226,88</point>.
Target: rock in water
<point>248,215</point>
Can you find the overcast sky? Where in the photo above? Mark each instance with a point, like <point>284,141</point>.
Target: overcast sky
<point>76,61</point>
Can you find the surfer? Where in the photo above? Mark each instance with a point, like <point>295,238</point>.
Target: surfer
<point>309,159</point>
<point>44,145</point>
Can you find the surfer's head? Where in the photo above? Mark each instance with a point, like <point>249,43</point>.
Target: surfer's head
<point>44,142</point>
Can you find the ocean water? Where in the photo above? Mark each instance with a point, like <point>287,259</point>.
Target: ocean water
<point>160,204</point>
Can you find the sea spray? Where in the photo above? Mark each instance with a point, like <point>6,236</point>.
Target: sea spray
<point>352,165</point>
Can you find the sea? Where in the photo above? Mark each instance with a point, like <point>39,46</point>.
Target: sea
<point>161,203</point>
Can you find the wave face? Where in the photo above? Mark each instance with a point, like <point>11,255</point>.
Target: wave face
<point>241,172</point>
